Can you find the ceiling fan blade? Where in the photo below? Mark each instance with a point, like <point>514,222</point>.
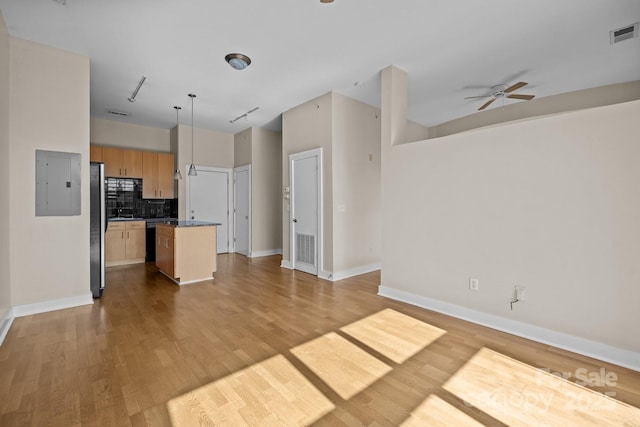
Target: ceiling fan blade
<point>515,87</point>
<point>486,104</point>
<point>481,96</point>
<point>518,96</point>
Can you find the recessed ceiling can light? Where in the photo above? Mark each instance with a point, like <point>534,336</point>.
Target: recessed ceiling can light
<point>238,61</point>
<point>326,1</point>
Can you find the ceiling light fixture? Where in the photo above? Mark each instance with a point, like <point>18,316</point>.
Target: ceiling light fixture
<point>177,174</point>
<point>238,61</point>
<point>135,92</point>
<point>326,1</point>
<point>192,167</point>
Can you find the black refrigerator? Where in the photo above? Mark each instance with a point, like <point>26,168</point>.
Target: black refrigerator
<point>98,227</point>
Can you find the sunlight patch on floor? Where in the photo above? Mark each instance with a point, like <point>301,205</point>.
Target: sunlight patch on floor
<point>343,366</point>
<point>272,392</point>
<point>435,412</point>
<point>393,334</point>
<point>518,394</point>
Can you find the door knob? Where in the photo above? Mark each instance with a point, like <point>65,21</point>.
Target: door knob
<point>193,217</point>
<point>246,217</point>
<point>295,220</point>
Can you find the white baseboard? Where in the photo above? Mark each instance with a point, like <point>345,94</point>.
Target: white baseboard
<point>5,324</point>
<point>286,264</point>
<point>269,252</point>
<point>325,275</point>
<point>594,349</point>
<point>52,305</point>
<point>345,274</point>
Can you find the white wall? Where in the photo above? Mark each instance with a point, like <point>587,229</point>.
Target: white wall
<point>266,191</point>
<point>210,148</point>
<point>549,203</point>
<point>125,135</point>
<point>356,185</point>
<point>49,101</point>
<point>242,148</point>
<point>306,127</point>
<point>5,176</point>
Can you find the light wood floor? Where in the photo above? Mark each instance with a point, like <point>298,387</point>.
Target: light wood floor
<point>261,345</point>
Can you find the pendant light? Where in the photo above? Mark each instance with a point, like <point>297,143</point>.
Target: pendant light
<point>192,167</point>
<point>177,174</point>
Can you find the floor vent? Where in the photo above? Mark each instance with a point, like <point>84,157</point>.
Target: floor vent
<point>625,33</point>
<point>306,248</point>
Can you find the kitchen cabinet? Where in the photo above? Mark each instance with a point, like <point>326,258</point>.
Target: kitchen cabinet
<point>186,252</point>
<point>95,153</point>
<point>165,260</point>
<point>125,243</point>
<point>157,175</point>
<point>122,163</point>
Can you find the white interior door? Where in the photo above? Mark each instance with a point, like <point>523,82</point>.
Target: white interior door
<point>305,175</point>
<point>208,194</point>
<point>242,210</point>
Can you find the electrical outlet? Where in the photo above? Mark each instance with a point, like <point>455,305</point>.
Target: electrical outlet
<point>520,293</point>
<point>474,284</point>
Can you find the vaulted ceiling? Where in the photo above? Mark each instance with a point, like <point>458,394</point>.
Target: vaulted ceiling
<point>300,49</point>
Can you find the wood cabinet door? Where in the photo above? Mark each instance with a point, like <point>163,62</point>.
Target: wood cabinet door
<point>114,245</point>
<point>132,163</point>
<point>135,247</point>
<point>113,161</point>
<point>165,176</point>
<point>95,153</point>
<point>149,175</point>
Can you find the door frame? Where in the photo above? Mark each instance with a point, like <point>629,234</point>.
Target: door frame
<point>229,173</point>
<point>235,205</point>
<point>316,152</point>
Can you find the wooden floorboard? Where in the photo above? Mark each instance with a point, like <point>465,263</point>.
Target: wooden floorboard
<point>262,345</point>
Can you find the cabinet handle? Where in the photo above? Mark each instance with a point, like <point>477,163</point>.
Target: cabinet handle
<point>161,194</point>
<point>120,171</point>
<point>123,234</point>
<point>127,234</point>
<point>125,171</point>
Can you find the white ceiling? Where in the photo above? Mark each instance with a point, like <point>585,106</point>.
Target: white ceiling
<point>302,49</point>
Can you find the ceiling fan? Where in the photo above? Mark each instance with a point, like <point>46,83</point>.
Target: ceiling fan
<point>502,91</point>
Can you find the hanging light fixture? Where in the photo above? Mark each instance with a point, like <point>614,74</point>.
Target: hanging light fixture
<point>192,167</point>
<point>177,174</point>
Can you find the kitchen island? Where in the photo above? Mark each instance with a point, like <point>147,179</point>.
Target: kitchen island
<point>186,250</point>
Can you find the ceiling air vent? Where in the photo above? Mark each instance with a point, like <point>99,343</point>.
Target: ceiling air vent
<point>118,113</point>
<point>625,33</point>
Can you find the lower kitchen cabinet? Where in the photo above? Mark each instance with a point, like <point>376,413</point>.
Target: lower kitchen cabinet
<point>186,252</point>
<point>164,249</point>
<point>125,243</point>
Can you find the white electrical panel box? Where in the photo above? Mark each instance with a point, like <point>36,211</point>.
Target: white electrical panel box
<point>57,183</point>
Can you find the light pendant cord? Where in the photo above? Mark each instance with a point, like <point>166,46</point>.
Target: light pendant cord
<point>177,174</point>
<point>192,168</point>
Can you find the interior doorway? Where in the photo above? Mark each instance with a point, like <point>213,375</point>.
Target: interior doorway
<point>208,199</point>
<point>305,174</point>
<point>242,210</point>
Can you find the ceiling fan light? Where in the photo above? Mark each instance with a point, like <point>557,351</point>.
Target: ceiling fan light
<point>238,61</point>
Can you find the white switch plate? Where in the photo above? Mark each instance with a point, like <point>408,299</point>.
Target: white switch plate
<point>520,293</point>
<point>474,284</point>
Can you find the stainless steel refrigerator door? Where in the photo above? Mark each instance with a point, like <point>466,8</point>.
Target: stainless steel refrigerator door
<point>98,222</point>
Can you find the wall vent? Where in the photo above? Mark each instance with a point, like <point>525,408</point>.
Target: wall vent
<point>624,33</point>
<point>306,248</point>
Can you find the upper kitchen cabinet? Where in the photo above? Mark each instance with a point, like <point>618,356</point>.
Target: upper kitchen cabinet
<point>122,163</point>
<point>95,153</point>
<point>157,175</point>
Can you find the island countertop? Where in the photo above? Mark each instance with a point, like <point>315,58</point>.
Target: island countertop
<point>189,223</point>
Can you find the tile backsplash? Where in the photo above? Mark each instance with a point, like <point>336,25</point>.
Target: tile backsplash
<point>124,198</point>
